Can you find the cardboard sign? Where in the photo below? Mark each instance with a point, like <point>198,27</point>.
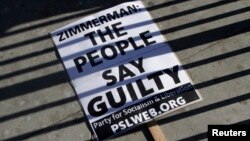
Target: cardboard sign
<point>121,68</point>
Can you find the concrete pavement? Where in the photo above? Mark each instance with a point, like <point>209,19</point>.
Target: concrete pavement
<point>211,38</point>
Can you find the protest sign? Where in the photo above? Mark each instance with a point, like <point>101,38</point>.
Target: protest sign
<point>123,71</point>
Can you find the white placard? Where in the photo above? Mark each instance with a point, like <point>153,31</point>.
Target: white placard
<point>122,69</point>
